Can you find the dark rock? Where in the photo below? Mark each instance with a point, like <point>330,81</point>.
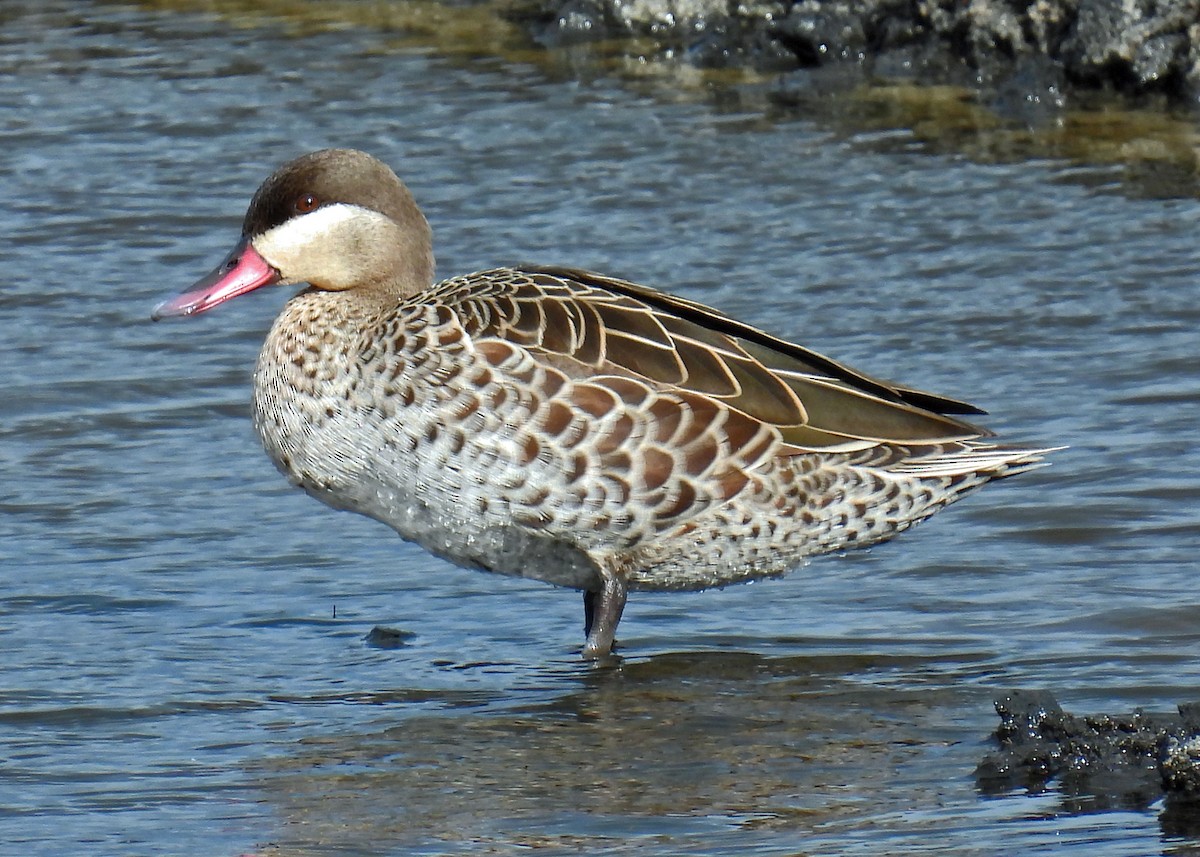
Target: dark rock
<point>1032,90</point>
<point>577,22</point>
<point>1115,761</point>
<point>1180,760</point>
<point>1128,46</point>
<point>816,33</point>
<point>735,43</point>
<point>380,637</point>
<point>1140,45</point>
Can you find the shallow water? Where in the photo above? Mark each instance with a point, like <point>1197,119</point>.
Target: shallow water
<point>186,670</point>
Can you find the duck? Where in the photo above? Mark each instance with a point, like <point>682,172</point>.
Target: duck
<point>561,425</point>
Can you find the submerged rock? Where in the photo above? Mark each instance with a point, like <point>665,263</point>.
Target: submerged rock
<point>1124,761</point>
<point>380,637</point>
<point>1129,46</point>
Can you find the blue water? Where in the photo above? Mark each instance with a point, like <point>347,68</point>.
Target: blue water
<point>185,667</point>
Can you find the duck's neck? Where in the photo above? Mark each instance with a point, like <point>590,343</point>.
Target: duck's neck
<point>313,338</point>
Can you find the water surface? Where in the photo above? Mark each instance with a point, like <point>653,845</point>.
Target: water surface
<point>185,667</point>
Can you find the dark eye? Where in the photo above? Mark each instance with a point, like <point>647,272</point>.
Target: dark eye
<point>305,203</point>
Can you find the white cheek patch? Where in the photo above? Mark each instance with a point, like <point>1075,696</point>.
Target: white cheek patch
<point>288,246</point>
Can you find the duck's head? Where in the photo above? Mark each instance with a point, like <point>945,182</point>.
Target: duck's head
<point>337,219</point>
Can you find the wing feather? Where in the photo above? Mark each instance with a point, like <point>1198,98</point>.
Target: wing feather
<point>603,325</point>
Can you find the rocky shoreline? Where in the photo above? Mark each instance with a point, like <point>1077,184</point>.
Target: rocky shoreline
<point>1047,48</point>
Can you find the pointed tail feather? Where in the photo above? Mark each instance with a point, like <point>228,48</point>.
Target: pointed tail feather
<point>987,459</point>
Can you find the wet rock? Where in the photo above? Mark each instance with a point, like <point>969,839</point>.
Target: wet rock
<point>817,33</point>
<point>1181,765</point>
<point>1114,761</point>
<point>1138,44</point>
<point>576,21</point>
<point>735,43</point>
<point>1129,46</point>
<point>381,637</point>
<point>673,21</point>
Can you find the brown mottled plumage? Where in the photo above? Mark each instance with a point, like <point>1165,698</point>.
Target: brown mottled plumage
<point>561,425</point>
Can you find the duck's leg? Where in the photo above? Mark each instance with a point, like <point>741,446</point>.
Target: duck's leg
<point>601,613</point>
